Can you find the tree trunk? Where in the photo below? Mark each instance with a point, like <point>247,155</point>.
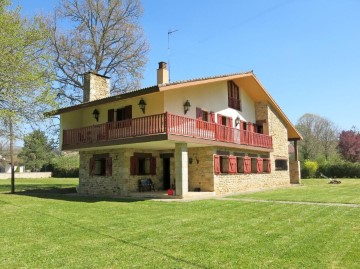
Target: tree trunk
<point>12,155</point>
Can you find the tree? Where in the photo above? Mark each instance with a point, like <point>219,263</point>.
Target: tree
<point>37,151</point>
<point>349,145</point>
<point>106,39</point>
<point>25,73</point>
<point>319,137</point>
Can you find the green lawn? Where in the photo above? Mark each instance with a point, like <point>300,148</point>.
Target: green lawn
<point>65,231</point>
<point>314,190</point>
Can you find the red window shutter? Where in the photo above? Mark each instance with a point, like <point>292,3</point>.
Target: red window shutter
<point>133,165</point>
<point>108,167</point>
<point>259,165</point>
<point>199,118</point>
<point>198,113</point>
<point>247,165</point>
<point>91,166</point>
<point>216,164</point>
<point>153,166</point>
<point>230,122</point>
<point>212,117</point>
<point>232,165</point>
<point>111,114</point>
<point>269,166</point>
<point>219,119</point>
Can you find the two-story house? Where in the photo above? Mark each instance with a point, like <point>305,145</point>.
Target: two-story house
<point>221,134</point>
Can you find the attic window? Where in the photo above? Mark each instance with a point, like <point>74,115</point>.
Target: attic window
<point>234,96</point>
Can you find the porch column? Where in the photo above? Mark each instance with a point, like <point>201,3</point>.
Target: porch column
<point>295,176</point>
<point>181,169</point>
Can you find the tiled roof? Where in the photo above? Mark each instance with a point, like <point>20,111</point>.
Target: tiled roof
<point>141,91</point>
<point>205,78</point>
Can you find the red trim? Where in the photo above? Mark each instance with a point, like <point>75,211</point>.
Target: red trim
<point>108,167</point>
<point>259,165</point>
<point>153,166</point>
<point>91,166</point>
<point>232,165</point>
<point>217,164</point>
<point>165,124</point>
<point>133,165</point>
<point>247,165</point>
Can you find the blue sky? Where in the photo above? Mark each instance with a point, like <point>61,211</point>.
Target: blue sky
<point>306,53</point>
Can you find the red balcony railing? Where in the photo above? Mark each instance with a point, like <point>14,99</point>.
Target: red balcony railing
<point>163,124</point>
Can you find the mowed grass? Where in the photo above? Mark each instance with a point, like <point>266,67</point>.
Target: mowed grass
<point>67,231</point>
<point>38,184</point>
<point>314,190</point>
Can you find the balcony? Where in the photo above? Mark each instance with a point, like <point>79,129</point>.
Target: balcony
<point>167,124</point>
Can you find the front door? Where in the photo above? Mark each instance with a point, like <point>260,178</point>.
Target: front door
<point>166,173</point>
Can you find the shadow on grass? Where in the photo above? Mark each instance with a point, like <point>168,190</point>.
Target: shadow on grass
<point>70,195</point>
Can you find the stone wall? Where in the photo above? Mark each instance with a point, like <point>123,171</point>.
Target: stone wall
<point>227,184</point>
<point>274,126</point>
<point>201,169</point>
<point>26,175</point>
<point>95,87</point>
<point>120,182</point>
<point>295,175</point>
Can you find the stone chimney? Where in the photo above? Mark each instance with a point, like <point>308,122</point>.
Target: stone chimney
<point>162,74</point>
<point>95,87</point>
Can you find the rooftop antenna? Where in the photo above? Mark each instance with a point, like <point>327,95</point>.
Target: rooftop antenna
<point>170,32</point>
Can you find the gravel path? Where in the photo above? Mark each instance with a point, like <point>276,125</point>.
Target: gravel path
<point>287,202</point>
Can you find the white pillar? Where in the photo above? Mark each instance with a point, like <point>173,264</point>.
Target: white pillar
<point>181,169</point>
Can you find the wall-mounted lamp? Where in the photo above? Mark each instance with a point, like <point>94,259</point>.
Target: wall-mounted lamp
<point>142,105</point>
<point>186,106</point>
<point>96,114</point>
<point>237,121</point>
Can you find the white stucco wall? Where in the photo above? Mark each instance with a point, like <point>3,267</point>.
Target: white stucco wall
<point>209,97</point>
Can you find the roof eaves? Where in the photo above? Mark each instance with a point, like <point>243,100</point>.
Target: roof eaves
<point>109,99</point>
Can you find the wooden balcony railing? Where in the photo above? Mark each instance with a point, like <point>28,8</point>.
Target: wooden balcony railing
<point>163,124</point>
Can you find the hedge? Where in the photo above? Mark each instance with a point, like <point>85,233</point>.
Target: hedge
<point>311,169</point>
<point>340,170</point>
<point>65,166</point>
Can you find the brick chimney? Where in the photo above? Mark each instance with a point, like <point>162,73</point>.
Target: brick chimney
<point>95,87</point>
<point>162,74</point>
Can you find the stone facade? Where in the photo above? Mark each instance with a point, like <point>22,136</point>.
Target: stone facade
<point>95,87</point>
<point>120,182</point>
<point>274,126</point>
<point>295,175</point>
<point>200,166</point>
<point>201,169</point>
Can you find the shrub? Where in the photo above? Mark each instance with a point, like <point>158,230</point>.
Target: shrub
<point>341,170</point>
<point>309,169</point>
<point>65,166</point>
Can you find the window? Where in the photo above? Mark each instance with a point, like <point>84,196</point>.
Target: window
<point>281,165</point>
<point>224,164</point>
<point>124,113</point>
<point>267,166</point>
<point>223,120</point>
<point>240,164</point>
<point>203,117</point>
<point>100,165</point>
<point>142,164</point>
<point>234,96</point>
